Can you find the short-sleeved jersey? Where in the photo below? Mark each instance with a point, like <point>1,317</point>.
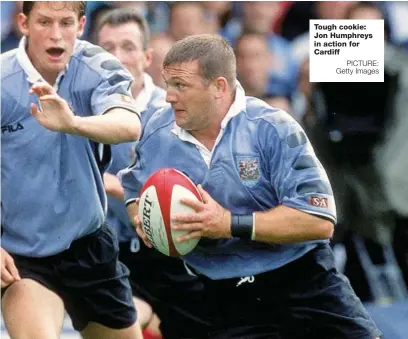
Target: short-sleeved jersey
<point>52,190</point>
<point>262,159</point>
<point>150,99</point>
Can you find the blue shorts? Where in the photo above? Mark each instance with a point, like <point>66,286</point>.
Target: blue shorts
<point>306,299</point>
<point>89,278</point>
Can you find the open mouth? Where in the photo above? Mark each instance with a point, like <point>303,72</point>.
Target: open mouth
<point>55,52</point>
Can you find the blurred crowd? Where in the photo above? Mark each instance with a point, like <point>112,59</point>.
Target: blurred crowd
<point>358,129</point>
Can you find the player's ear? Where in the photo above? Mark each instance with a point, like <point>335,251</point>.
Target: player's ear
<point>148,57</point>
<point>221,87</point>
<point>22,21</point>
<point>81,26</point>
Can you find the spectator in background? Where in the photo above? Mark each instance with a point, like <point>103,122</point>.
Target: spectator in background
<point>332,9</point>
<point>301,99</point>
<point>12,38</point>
<point>320,10</point>
<point>155,12</point>
<point>221,10</point>
<point>295,20</point>
<point>259,17</point>
<point>391,153</point>
<point>367,11</point>
<point>125,33</point>
<point>6,14</point>
<point>351,120</point>
<point>160,44</point>
<point>186,18</point>
<point>152,11</point>
<point>397,13</point>
<point>139,6</point>
<point>95,12</point>
<point>253,65</point>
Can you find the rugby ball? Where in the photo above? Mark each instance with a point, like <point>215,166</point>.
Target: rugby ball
<point>159,200</point>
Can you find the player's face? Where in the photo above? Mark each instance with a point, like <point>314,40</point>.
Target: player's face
<point>253,62</point>
<point>126,43</point>
<point>191,98</point>
<point>51,30</point>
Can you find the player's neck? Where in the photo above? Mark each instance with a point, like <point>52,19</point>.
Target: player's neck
<point>209,135</point>
<point>48,76</point>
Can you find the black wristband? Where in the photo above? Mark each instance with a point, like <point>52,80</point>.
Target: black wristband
<point>242,226</point>
<point>130,201</point>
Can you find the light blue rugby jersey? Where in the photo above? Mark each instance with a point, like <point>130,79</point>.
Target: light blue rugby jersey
<point>52,190</point>
<point>150,99</point>
<point>262,159</point>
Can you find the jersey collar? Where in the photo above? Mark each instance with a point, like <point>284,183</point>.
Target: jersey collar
<point>143,99</point>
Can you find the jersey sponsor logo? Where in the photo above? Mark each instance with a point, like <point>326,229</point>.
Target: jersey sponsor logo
<point>11,128</point>
<point>318,202</point>
<point>248,169</point>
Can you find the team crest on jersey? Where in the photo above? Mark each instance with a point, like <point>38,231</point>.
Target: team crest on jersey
<point>248,168</point>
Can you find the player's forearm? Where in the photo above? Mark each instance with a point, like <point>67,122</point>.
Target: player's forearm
<point>116,126</point>
<point>113,186</point>
<point>288,225</point>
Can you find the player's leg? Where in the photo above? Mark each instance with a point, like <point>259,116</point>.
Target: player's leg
<point>129,255</point>
<point>321,303</point>
<point>32,311</point>
<point>96,289</point>
<point>165,284</point>
<point>98,331</point>
<point>152,330</point>
<point>133,255</point>
<point>144,312</point>
<point>176,296</point>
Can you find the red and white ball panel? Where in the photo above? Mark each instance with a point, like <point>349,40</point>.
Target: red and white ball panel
<point>159,200</point>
